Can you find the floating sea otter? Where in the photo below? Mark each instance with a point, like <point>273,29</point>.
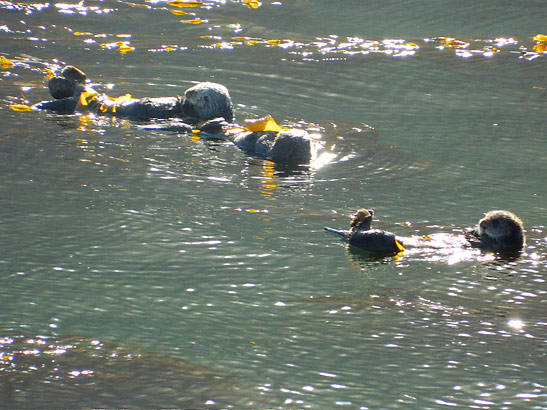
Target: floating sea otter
<point>200,103</point>
<point>205,108</point>
<point>362,236</point>
<point>70,83</point>
<point>498,231</point>
<point>292,146</point>
<point>265,138</point>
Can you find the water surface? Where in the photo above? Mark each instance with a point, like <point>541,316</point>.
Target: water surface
<point>213,265</point>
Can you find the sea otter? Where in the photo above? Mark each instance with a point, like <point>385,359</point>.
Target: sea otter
<point>66,90</point>
<point>291,146</point>
<point>200,103</point>
<point>70,83</point>
<point>362,236</point>
<point>499,231</point>
<point>205,108</point>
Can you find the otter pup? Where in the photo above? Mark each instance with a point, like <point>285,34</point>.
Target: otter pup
<point>292,146</point>
<point>201,102</point>
<point>70,83</point>
<point>362,236</point>
<point>65,89</point>
<point>500,231</point>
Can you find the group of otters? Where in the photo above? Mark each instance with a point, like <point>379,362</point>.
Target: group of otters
<point>207,107</point>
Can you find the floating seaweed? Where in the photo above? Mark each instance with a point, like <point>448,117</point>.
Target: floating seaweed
<point>5,63</point>
<point>179,3</point>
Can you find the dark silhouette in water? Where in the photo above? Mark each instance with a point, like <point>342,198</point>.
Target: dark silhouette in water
<point>293,146</point>
<point>362,236</point>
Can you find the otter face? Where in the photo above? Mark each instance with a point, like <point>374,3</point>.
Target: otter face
<point>362,219</point>
<point>205,101</point>
<point>501,230</point>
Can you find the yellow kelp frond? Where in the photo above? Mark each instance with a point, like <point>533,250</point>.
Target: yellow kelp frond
<point>124,48</point>
<point>197,20</point>
<point>122,99</point>
<point>48,73</point>
<point>454,43</point>
<point>252,4</point>
<point>87,95</point>
<point>540,37</point>
<point>20,107</point>
<point>264,124</point>
<point>5,63</point>
<point>180,3</point>
<point>178,12</point>
<point>540,47</point>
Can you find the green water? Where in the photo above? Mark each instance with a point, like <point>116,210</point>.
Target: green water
<point>215,264</point>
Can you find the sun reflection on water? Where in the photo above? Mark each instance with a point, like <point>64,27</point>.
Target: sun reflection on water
<point>516,324</point>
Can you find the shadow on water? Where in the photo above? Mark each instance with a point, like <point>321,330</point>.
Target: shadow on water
<point>74,372</point>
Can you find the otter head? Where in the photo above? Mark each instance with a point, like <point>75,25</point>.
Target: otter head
<point>205,101</point>
<point>362,219</point>
<point>501,230</point>
<point>291,146</point>
<point>60,87</point>
<point>74,74</point>
<point>70,83</point>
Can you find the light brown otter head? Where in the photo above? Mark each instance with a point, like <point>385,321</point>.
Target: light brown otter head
<point>362,219</point>
<point>205,101</point>
<point>501,231</point>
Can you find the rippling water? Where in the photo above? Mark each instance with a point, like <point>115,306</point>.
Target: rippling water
<point>128,251</point>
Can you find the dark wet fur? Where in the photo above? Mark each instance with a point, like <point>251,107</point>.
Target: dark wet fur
<point>289,147</point>
<point>147,108</point>
<point>362,236</point>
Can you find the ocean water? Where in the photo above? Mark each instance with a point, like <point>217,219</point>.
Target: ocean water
<point>145,268</point>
